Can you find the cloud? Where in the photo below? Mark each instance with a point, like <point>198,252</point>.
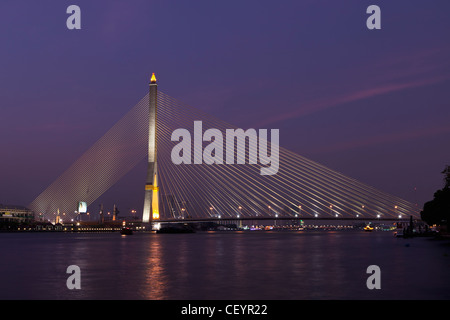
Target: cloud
<point>384,139</point>
<point>397,72</point>
<point>322,104</point>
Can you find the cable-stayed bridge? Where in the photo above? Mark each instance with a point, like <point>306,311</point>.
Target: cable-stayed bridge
<point>300,188</point>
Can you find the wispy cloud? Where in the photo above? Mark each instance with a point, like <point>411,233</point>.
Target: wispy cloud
<point>396,73</point>
<point>383,139</point>
<point>322,104</point>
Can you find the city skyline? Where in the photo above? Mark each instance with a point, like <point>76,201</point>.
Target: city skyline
<point>372,104</point>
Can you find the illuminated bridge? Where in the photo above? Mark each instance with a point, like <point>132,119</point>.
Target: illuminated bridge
<point>301,188</point>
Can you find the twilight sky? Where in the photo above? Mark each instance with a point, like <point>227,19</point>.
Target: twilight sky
<point>371,104</point>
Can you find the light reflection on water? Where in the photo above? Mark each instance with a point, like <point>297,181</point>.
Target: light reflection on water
<point>222,265</point>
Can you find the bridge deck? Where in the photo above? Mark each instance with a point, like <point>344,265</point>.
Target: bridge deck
<point>362,219</point>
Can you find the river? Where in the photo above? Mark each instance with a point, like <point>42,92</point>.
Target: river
<point>257,265</point>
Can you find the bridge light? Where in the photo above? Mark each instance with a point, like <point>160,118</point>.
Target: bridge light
<point>153,79</point>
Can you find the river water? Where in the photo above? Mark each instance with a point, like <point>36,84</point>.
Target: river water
<point>223,265</point>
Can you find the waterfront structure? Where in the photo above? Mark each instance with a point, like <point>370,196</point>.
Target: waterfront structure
<point>151,200</point>
<point>15,214</point>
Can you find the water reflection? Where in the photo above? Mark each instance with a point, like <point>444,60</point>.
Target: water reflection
<point>155,284</point>
<point>221,265</point>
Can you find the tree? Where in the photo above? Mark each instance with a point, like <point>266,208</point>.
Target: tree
<point>437,211</point>
<point>446,172</point>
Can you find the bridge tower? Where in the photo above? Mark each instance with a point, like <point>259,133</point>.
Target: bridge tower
<point>151,202</point>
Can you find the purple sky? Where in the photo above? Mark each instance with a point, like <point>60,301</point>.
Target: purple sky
<point>372,104</point>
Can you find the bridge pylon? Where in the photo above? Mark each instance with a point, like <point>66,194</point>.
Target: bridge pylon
<point>151,201</point>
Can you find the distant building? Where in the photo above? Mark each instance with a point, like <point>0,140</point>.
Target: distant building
<point>15,214</point>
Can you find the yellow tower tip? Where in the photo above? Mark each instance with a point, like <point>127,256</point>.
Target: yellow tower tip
<point>153,79</point>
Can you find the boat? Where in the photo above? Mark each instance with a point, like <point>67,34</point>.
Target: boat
<point>368,228</point>
<point>126,231</point>
<point>399,232</point>
<point>176,229</point>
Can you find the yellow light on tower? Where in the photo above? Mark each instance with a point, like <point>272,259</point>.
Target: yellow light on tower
<point>155,199</point>
<point>153,78</point>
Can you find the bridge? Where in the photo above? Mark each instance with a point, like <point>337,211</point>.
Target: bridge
<point>211,189</point>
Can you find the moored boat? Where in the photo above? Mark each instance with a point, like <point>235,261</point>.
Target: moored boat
<point>126,231</point>
<point>176,229</point>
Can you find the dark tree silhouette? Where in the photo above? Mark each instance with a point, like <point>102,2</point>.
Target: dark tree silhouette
<point>446,172</point>
<point>437,211</point>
